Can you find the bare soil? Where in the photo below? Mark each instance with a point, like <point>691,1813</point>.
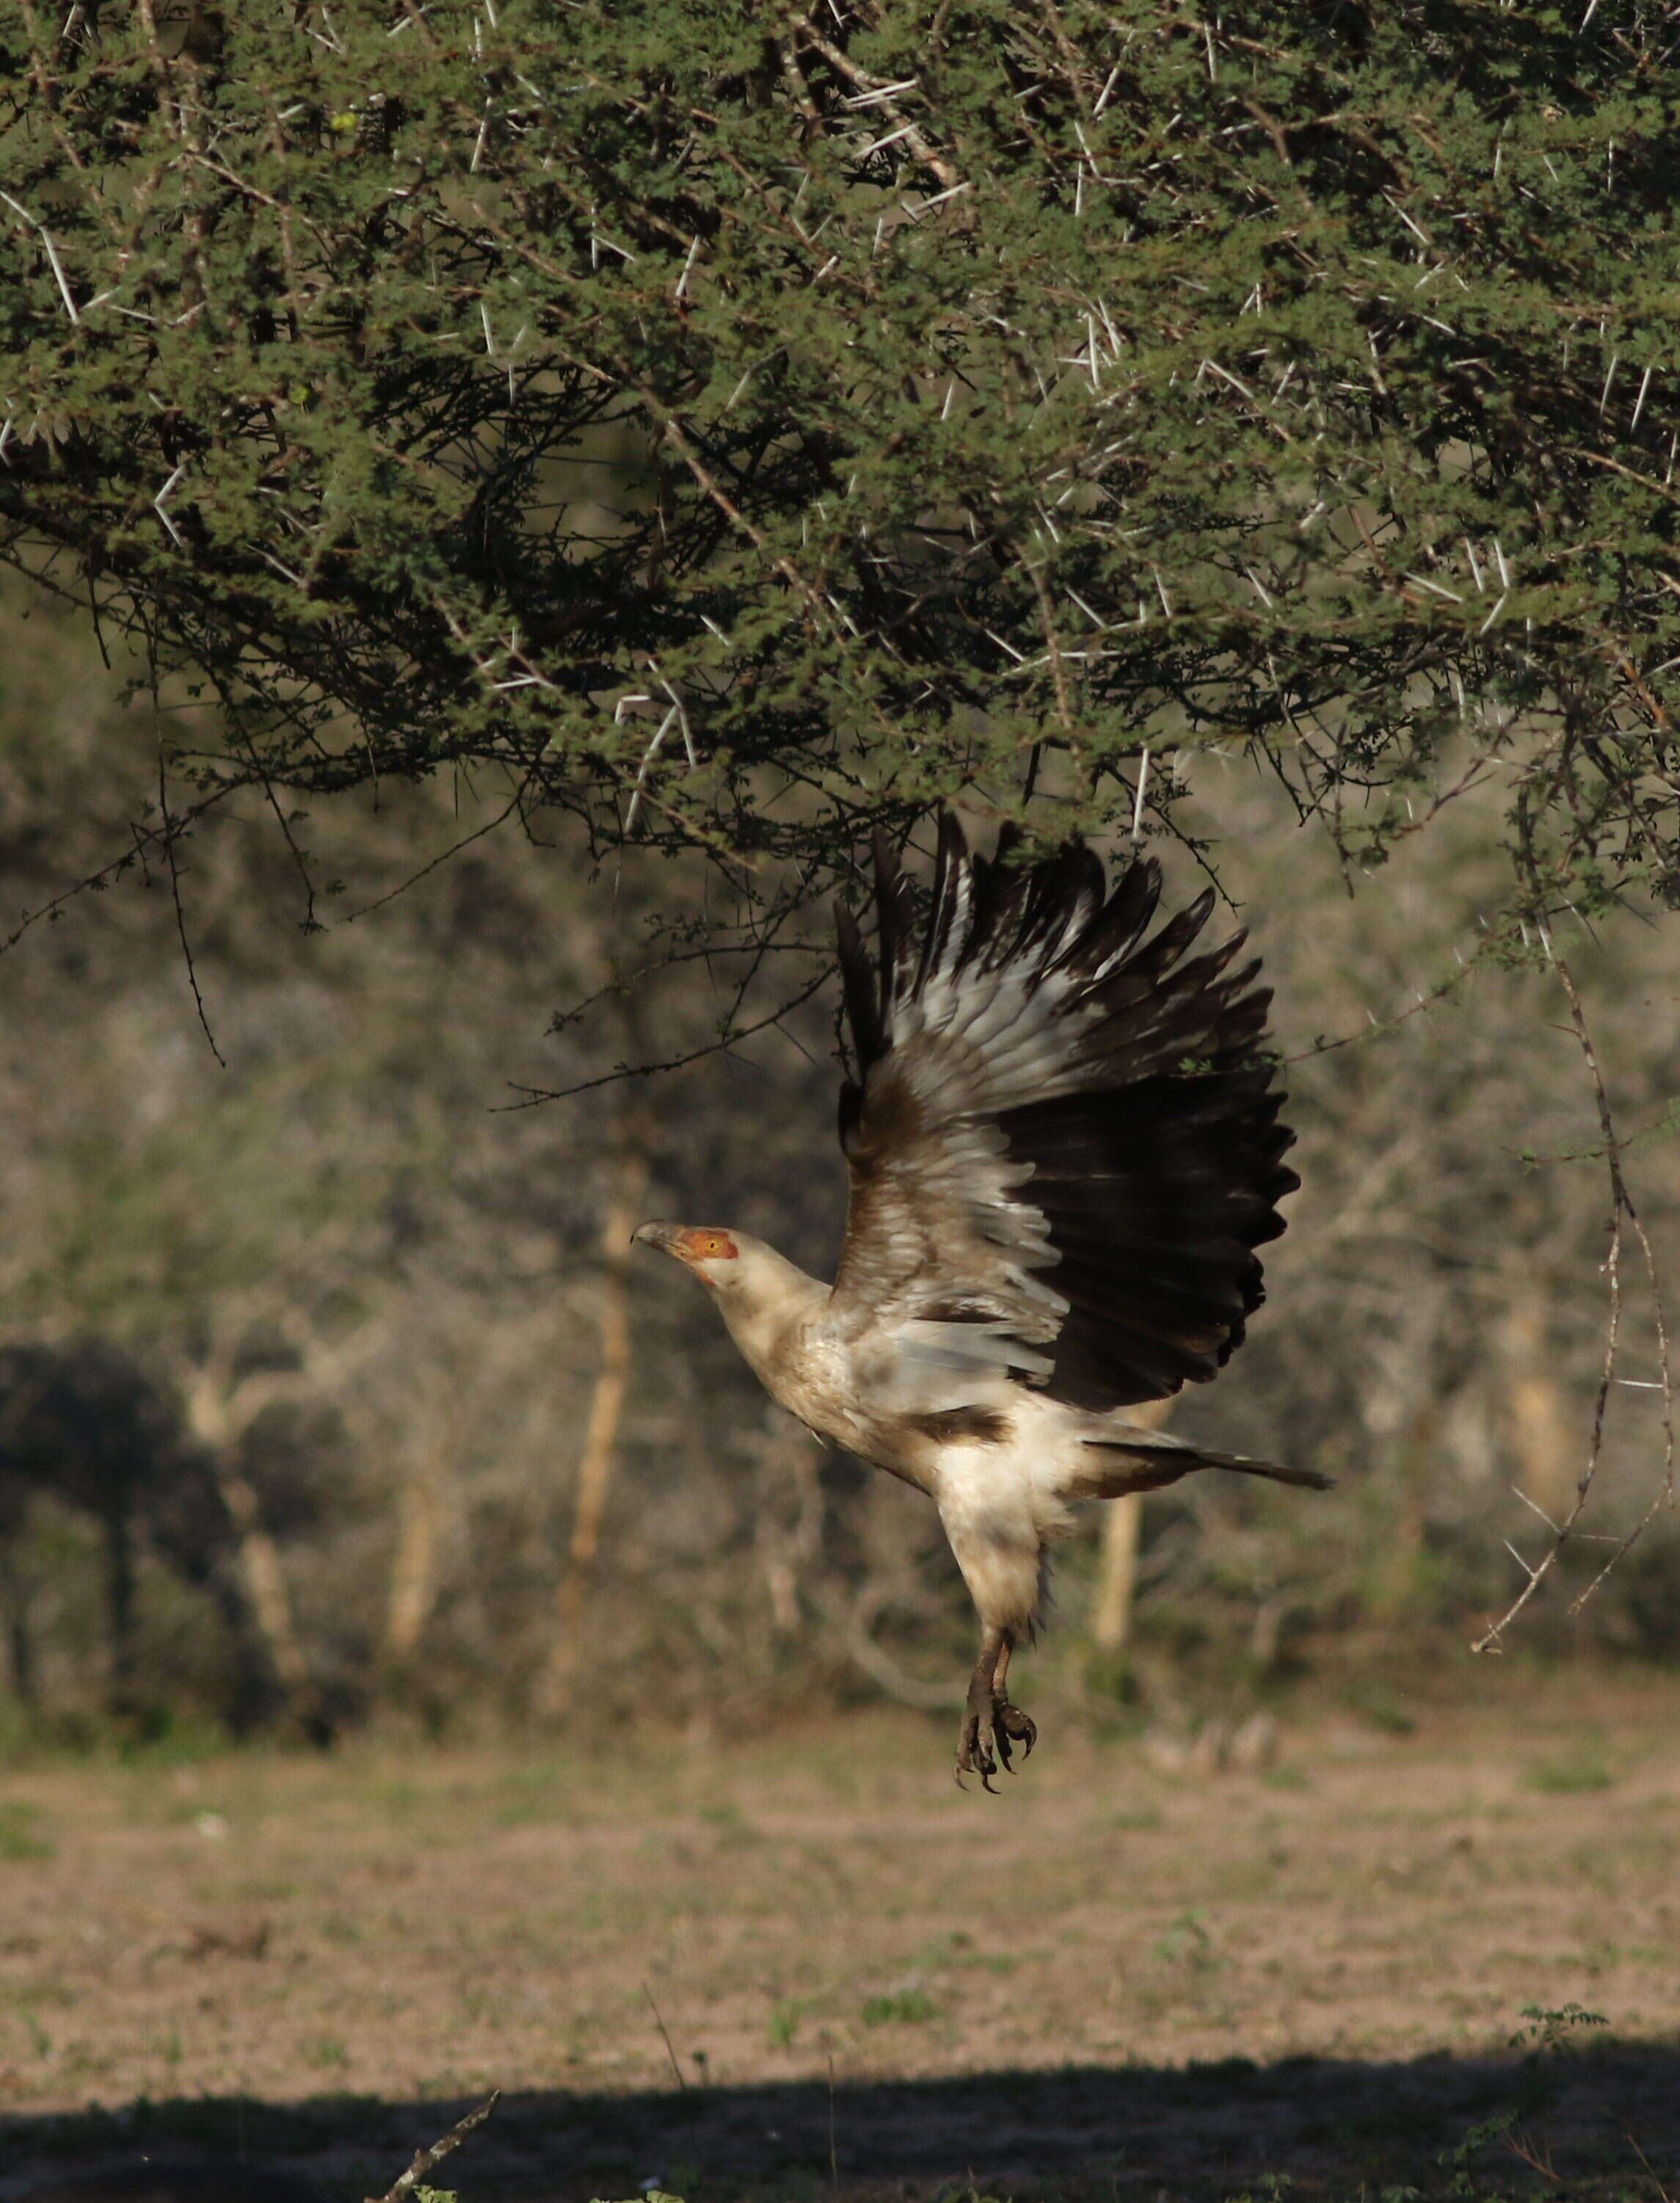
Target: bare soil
<point>754,1969</point>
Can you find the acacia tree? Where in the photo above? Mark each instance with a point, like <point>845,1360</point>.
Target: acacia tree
<point>738,425</point>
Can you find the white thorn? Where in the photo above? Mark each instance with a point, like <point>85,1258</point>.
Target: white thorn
<point>157,504</point>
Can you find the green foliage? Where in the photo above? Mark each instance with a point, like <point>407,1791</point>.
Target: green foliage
<point>1549,2031</point>
<point>737,431</point>
<point>1274,2185</point>
<point>1463,2155</point>
<point>1548,2035</point>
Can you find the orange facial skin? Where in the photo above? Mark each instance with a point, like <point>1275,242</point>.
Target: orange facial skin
<point>704,1245</point>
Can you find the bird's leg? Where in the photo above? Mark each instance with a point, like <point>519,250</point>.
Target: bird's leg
<point>974,1745</point>
<point>990,1723</point>
<point>1012,1724</point>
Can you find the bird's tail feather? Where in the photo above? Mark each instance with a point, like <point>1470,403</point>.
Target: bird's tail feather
<point>1309,1479</point>
<point>1143,1461</point>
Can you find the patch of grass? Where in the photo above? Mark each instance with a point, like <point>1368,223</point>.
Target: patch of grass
<point>733,1829</point>
<point>1286,1776</point>
<point>956,1949</point>
<point>1570,1772</point>
<point>20,1836</point>
<point>949,1950</point>
<point>902,2008</point>
<point>1380,1708</point>
<point>327,2053</point>
<point>1187,1943</point>
<point>784,2025</point>
<point>1134,1820</point>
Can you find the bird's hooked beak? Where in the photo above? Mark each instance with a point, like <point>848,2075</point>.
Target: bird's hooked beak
<point>697,1246</point>
<point>658,1235</point>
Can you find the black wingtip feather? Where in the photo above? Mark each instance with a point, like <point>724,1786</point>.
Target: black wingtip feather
<point>895,918</point>
<point>863,1002</point>
<point>1160,1175</point>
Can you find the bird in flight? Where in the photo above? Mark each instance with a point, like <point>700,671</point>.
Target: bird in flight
<point>1064,1149</point>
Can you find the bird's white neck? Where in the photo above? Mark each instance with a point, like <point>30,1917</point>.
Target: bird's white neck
<point>767,1301</point>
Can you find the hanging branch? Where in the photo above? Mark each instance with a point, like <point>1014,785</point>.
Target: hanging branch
<point>1623,1216</point>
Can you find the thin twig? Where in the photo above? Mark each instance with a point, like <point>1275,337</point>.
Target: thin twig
<point>426,2160</point>
<point>168,840</point>
<point>453,850</point>
<point>534,1095</point>
<point>834,2154</point>
<point>1378,1026</point>
<point>1646,2162</point>
<point>664,2036</point>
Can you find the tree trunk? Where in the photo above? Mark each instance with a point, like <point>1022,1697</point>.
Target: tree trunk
<point>120,1698</point>
<point>601,1436</point>
<point>265,1581</point>
<point>220,1409</point>
<point>414,1569</point>
<point>1116,1574</point>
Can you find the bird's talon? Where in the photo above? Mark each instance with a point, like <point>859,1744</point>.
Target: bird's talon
<point>1012,1722</point>
<point>974,1753</point>
<point>984,1745</point>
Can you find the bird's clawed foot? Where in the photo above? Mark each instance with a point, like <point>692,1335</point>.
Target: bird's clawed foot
<point>990,1727</point>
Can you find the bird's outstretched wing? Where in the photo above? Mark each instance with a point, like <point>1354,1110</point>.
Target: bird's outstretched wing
<point>1063,1145</point>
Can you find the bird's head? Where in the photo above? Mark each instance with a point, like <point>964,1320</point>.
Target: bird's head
<point>713,1254</point>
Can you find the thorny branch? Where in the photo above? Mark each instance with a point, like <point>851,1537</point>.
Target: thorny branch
<point>1623,1216</point>
<point>530,1096</point>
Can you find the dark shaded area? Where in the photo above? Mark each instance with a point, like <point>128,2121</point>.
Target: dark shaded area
<point>1604,2119</point>
<point>85,1423</point>
<point>174,2179</point>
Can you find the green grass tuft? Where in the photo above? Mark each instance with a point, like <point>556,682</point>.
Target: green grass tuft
<point>904,2008</point>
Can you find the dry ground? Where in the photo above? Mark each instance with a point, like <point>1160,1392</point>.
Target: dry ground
<point>321,1958</point>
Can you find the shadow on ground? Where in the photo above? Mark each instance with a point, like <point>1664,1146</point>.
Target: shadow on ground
<point>1603,2120</point>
